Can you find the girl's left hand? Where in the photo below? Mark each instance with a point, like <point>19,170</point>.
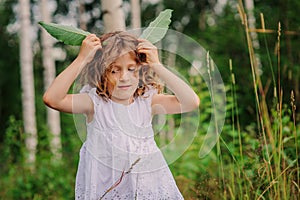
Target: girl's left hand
<point>150,51</point>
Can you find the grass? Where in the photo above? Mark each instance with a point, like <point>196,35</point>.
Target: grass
<point>260,161</point>
<point>276,175</point>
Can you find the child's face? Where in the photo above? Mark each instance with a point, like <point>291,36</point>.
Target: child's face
<point>124,79</point>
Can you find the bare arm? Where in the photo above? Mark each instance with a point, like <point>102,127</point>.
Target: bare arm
<point>184,100</point>
<point>57,97</point>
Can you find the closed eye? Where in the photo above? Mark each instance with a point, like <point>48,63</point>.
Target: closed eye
<point>131,69</point>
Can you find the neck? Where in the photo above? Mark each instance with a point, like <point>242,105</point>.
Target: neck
<point>123,101</point>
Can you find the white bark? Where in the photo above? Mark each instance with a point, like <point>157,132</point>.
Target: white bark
<point>82,20</point>
<point>249,4</point>
<point>113,16</point>
<point>135,14</point>
<point>27,81</point>
<point>53,116</point>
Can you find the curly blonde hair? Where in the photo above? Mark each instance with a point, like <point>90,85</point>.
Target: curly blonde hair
<point>114,44</point>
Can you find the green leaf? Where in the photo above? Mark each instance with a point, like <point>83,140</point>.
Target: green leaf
<point>74,36</point>
<point>64,33</point>
<point>158,28</point>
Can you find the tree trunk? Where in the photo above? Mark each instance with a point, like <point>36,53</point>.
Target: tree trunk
<point>249,4</point>
<point>53,116</point>
<point>113,15</point>
<point>27,81</point>
<point>135,14</point>
<point>82,21</point>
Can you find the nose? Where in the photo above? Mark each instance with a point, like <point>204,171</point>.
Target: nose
<point>124,76</point>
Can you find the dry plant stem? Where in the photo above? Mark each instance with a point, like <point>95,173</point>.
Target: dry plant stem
<point>256,80</point>
<point>235,112</point>
<point>274,181</point>
<point>210,71</point>
<point>241,169</point>
<point>263,116</point>
<point>273,31</point>
<point>120,179</point>
<point>280,161</point>
<point>278,57</point>
<point>269,58</point>
<point>295,135</point>
<point>271,185</point>
<point>284,185</point>
<point>261,105</point>
<point>232,191</point>
<point>278,98</point>
<point>281,187</point>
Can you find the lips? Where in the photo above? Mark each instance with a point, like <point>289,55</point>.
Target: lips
<point>124,87</point>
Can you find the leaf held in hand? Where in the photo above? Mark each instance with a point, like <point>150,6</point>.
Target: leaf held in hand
<point>64,33</point>
<point>74,36</point>
<point>158,28</point>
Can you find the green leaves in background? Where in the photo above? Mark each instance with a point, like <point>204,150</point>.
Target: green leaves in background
<point>158,28</point>
<point>66,34</point>
<point>74,36</point>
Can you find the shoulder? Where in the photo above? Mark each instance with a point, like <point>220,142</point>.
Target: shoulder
<point>92,93</point>
<point>149,92</point>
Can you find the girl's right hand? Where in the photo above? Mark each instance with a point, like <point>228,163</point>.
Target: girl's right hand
<point>89,47</point>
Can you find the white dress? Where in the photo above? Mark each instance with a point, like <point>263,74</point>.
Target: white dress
<point>120,159</point>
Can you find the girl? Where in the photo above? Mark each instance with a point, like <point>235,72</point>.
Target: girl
<point>120,159</point>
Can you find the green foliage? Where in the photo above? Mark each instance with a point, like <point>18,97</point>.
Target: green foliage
<point>51,179</point>
<point>13,145</point>
<point>10,90</point>
<point>48,181</point>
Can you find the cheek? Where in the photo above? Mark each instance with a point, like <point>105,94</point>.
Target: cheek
<point>135,78</point>
<point>136,74</point>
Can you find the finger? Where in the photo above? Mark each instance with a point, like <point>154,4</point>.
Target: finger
<point>98,45</point>
<point>89,37</point>
<point>93,40</point>
<point>92,37</point>
<point>146,45</point>
<point>96,39</point>
<point>142,40</point>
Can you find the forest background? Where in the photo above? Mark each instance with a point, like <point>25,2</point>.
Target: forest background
<point>255,45</point>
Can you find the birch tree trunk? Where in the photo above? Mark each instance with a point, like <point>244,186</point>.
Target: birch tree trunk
<point>113,15</point>
<point>82,21</point>
<point>249,4</point>
<point>53,116</point>
<point>27,81</point>
<point>135,14</point>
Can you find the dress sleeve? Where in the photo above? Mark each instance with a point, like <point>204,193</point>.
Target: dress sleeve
<point>85,89</point>
<point>149,94</point>
<point>91,91</point>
